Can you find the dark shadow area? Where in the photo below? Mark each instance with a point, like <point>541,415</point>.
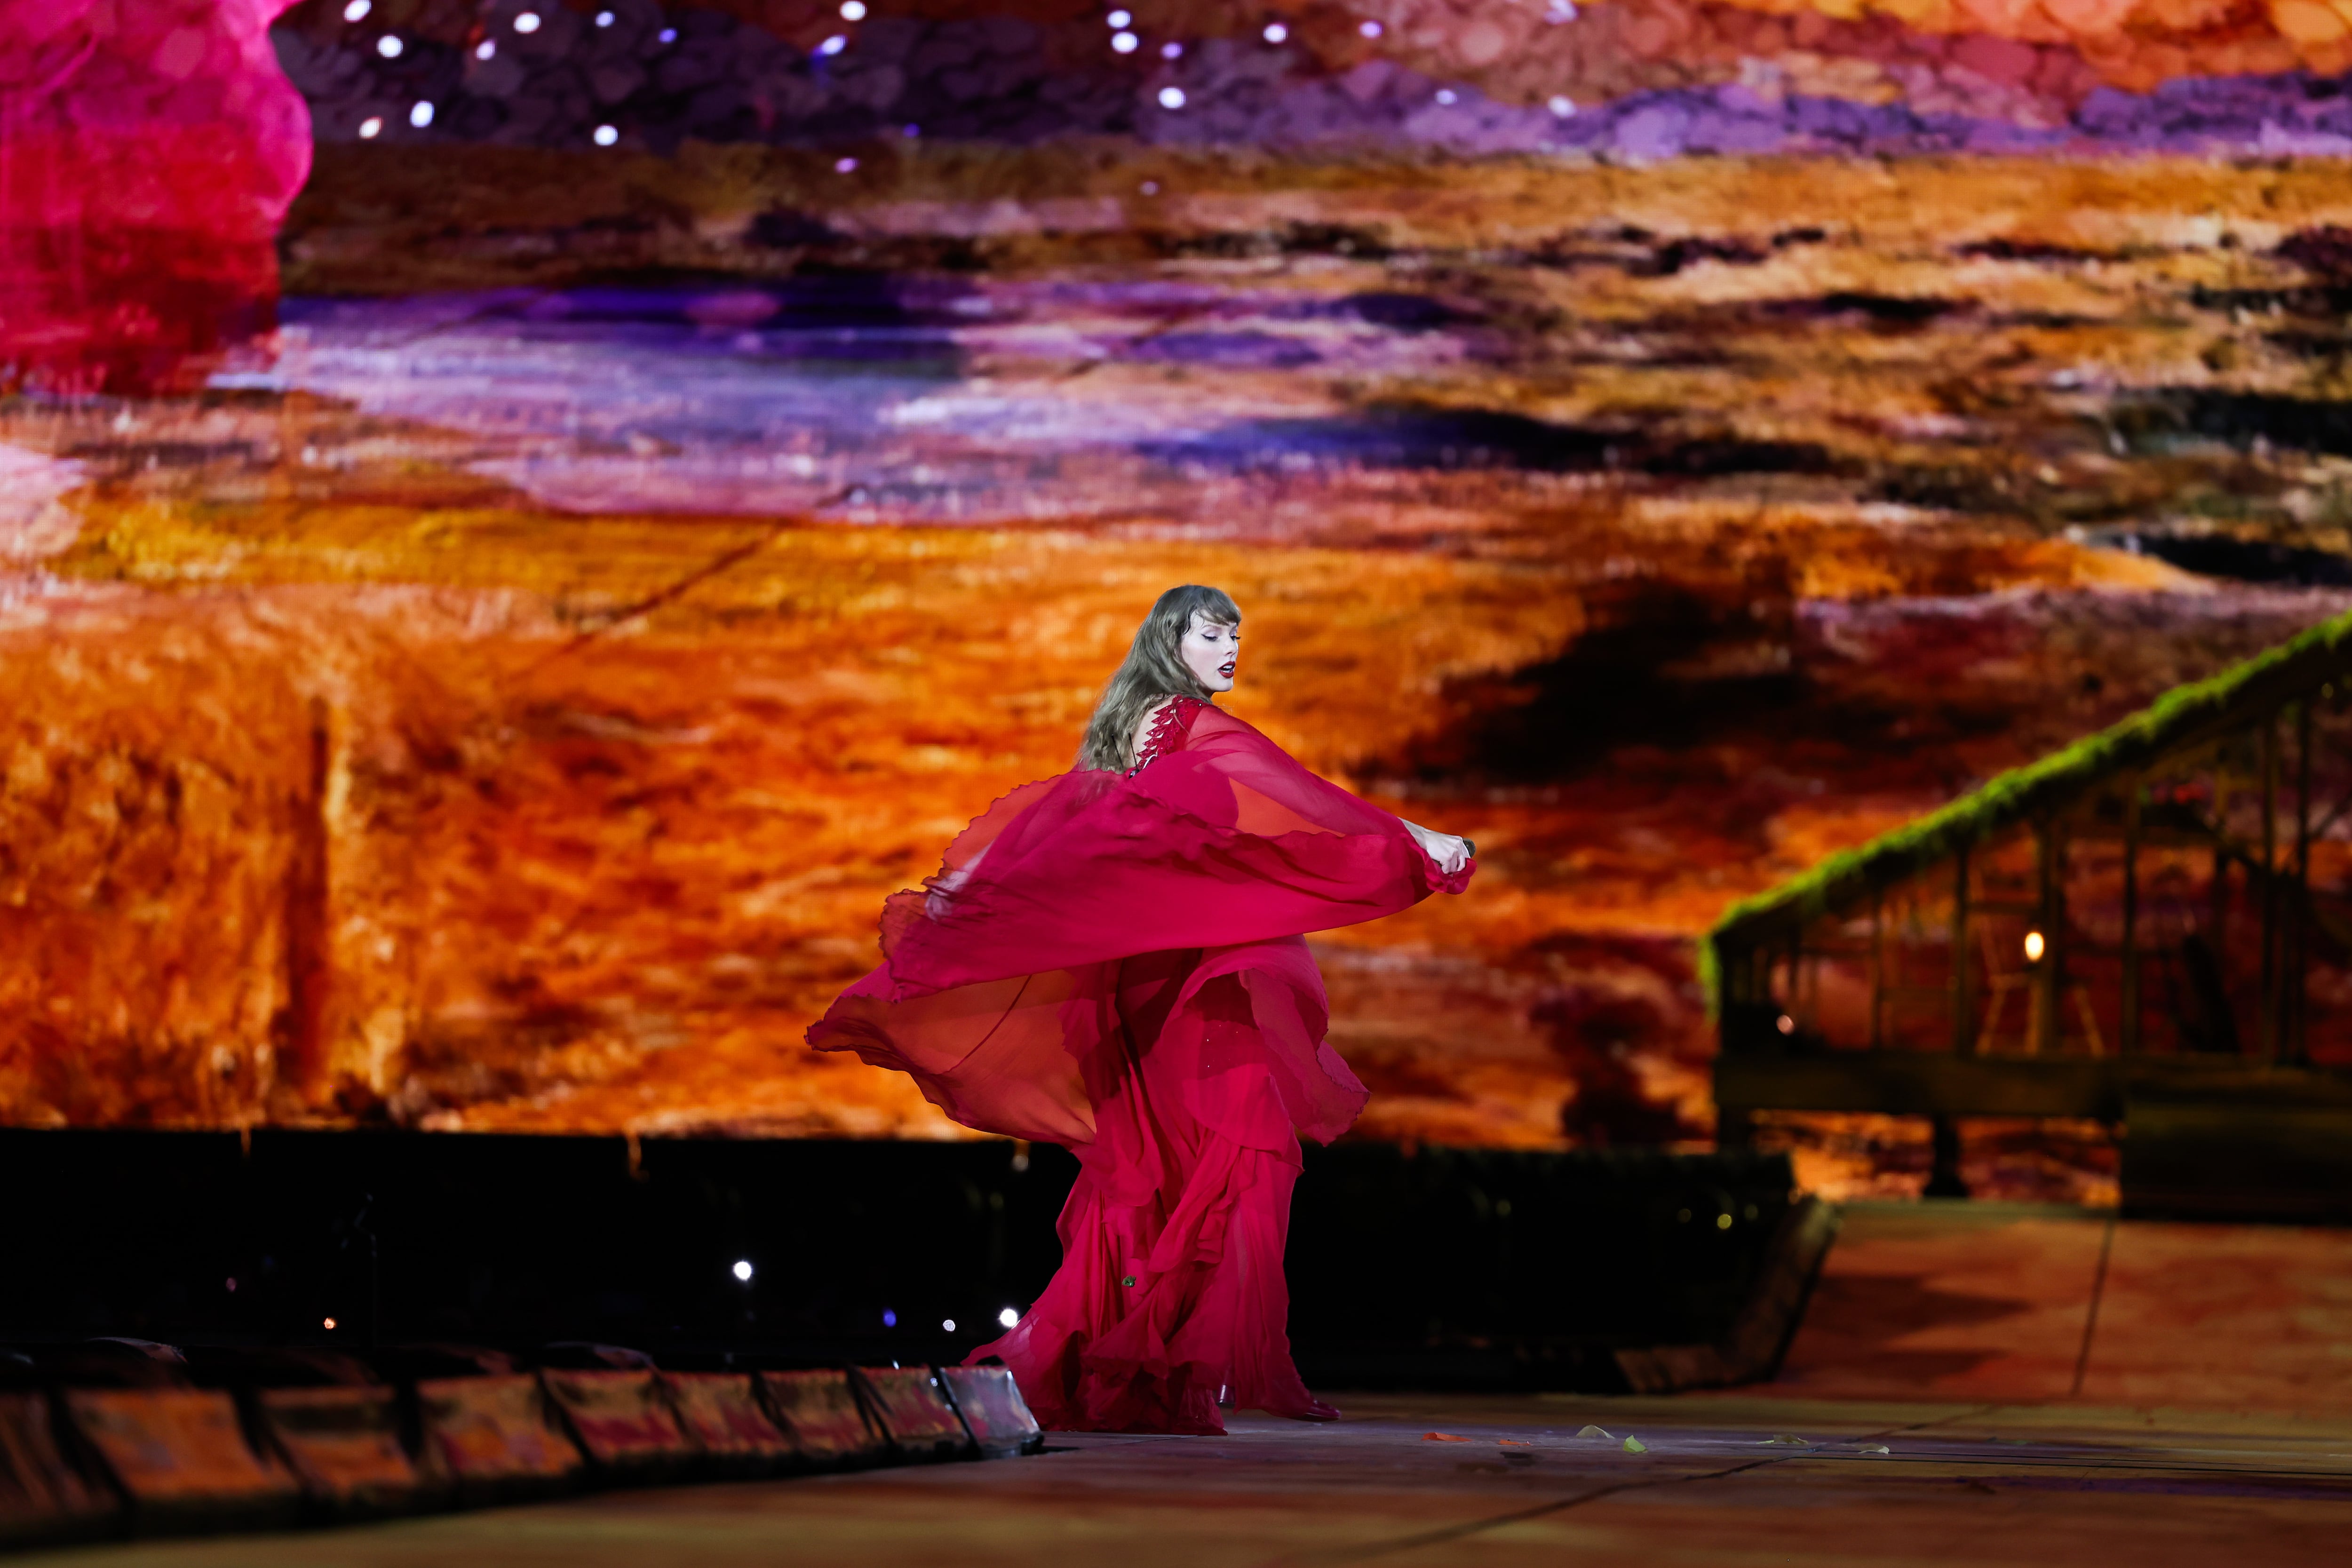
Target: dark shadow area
<point>1515,1268</point>
<point>1891,313</point>
<point>1454,438</point>
<point>2245,560</point>
<point>1860,1314</point>
<point>1642,676</point>
<point>2006,249</point>
<point>856,1249</point>
<point>2239,419</point>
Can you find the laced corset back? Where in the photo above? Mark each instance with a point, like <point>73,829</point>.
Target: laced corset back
<point>1170,727</point>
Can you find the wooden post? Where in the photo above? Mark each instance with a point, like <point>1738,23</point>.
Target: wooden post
<point>1795,1004</point>
<point>2216,919</point>
<point>1963,1034</point>
<point>2299,914</point>
<point>2269,905</point>
<point>2128,1029</point>
<point>2043,1025</point>
<point>1878,968</point>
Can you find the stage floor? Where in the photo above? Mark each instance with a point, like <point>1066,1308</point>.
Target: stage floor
<point>1723,1479</point>
<point>2050,1386</point>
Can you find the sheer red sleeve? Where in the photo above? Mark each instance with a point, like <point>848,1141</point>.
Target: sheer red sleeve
<point>1220,840</point>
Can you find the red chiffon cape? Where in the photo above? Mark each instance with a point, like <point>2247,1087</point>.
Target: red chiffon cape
<point>1116,963</point>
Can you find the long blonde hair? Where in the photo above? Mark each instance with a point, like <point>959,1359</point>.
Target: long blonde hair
<point>1153,670</point>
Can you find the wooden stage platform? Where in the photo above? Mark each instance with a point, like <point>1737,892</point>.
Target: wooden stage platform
<point>1974,1384</point>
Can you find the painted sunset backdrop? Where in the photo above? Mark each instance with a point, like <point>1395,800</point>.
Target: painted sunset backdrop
<point>496,686</point>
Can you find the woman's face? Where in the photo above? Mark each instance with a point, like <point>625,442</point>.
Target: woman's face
<point>1209,651</point>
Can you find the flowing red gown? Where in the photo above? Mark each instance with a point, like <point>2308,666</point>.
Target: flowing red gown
<point>1116,963</point>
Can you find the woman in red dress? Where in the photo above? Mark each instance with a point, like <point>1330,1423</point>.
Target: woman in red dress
<point>1113,960</point>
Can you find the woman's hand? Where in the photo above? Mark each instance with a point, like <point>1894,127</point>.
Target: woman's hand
<point>1450,853</point>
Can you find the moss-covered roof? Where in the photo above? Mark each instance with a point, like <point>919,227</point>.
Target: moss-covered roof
<point>2182,716</point>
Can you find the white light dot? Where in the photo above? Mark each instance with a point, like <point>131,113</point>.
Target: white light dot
<point>487,50</point>
<point>742,1269</point>
<point>2035,947</point>
<point>833,46</point>
<point>668,35</point>
<point>527,23</point>
<point>357,11</point>
<point>1370,29</point>
<point>388,47</point>
<point>603,18</point>
<point>844,165</point>
<point>1562,106</point>
<point>1171,98</point>
<point>1120,19</point>
<point>329,1323</point>
<point>1171,51</point>
<point>948,1323</point>
<point>371,125</point>
<point>853,10</point>
<point>605,135</point>
<point>1446,95</point>
<point>1008,1316</point>
<point>421,116</point>
<point>1276,32</point>
<point>1122,43</point>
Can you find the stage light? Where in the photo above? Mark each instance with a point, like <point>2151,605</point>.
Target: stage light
<point>389,46</point>
<point>1008,1316</point>
<point>833,46</point>
<point>605,135</point>
<point>329,1324</point>
<point>1171,51</point>
<point>1149,188</point>
<point>527,23</point>
<point>889,1321</point>
<point>603,18</point>
<point>1276,32</point>
<point>1171,98</point>
<point>1559,11</point>
<point>1122,43</point>
<point>947,1325</point>
<point>844,165</point>
<point>911,132</point>
<point>1120,19</point>
<point>487,50</point>
<point>1723,1222</point>
<point>1446,95</point>
<point>1561,105</point>
<point>371,125</point>
<point>742,1269</point>
<point>1786,1025</point>
<point>1370,29</point>
<point>853,10</point>
<point>2035,947</point>
<point>357,11</point>
<point>421,116</point>
<point>666,35</point>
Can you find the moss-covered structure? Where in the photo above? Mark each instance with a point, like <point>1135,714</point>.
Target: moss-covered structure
<point>2219,789</point>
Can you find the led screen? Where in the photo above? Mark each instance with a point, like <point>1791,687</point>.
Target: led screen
<point>521,522</point>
